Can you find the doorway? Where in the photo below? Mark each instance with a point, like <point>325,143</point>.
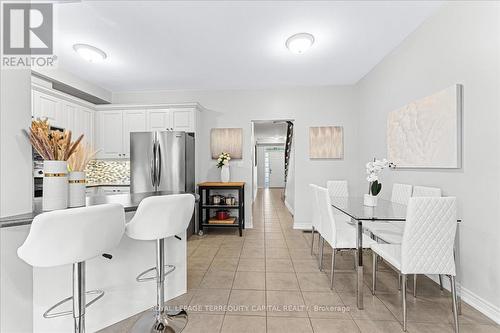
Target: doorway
<point>273,165</point>
<point>273,158</point>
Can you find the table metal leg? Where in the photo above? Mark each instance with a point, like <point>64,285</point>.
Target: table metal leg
<point>359,257</point>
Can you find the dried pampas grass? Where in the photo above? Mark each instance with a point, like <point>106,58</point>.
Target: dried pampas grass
<point>80,157</point>
<point>51,145</point>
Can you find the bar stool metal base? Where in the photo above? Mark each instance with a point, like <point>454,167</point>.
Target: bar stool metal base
<point>168,322</point>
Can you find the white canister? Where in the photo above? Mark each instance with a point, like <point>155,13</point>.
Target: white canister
<point>224,174</point>
<point>370,200</point>
<point>77,189</point>
<point>55,185</point>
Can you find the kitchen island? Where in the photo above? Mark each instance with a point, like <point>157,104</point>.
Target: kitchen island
<point>27,292</point>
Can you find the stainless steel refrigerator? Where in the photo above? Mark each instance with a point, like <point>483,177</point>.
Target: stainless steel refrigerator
<point>162,161</point>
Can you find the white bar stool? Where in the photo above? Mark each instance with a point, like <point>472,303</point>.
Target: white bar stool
<point>158,218</point>
<point>73,236</point>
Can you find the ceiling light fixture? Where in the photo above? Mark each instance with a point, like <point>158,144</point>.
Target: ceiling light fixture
<point>90,53</point>
<point>299,43</point>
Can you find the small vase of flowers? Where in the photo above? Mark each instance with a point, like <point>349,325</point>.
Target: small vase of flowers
<point>223,164</point>
<point>372,170</point>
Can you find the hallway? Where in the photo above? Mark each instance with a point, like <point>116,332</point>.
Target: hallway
<point>267,281</point>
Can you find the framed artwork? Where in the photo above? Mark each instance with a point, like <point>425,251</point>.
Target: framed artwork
<point>228,140</point>
<point>326,142</point>
<point>427,133</point>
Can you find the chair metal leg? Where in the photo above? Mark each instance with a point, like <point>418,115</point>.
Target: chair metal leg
<point>79,297</point>
<point>454,302</point>
<point>374,272</point>
<point>333,270</point>
<point>159,320</point>
<point>403,296</point>
<point>321,251</point>
<point>312,241</point>
<point>441,282</point>
<point>415,285</point>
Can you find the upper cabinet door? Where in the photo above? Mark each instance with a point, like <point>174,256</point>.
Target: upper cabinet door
<point>110,134</point>
<point>133,121</point>
<point>46,106</point>
<point>183,120</point>
<point>159,120</point>
<point>83,123</point>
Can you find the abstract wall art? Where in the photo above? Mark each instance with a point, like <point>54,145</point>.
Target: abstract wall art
<point>427,133</point>
<point>326,142</point>
<point>228,140</point>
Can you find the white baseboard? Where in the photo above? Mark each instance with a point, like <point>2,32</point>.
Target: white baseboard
<point>290,208</point>
<point>306,225</point>
<point>485,307</point>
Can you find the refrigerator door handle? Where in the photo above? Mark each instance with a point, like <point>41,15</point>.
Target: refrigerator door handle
<point>153,166</point>
<point>158,165</point>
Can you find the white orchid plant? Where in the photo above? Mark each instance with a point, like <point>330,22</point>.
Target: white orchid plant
<point>223,159</point>
<point>373,169</point>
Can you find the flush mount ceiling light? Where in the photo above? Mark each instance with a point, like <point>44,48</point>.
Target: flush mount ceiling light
<point>90,53</point>
<point>299,43</point>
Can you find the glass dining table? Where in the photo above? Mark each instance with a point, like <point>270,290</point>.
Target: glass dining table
<point>384,211</point>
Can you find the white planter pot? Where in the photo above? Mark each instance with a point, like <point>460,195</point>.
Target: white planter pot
<point>224,174</point>
<point>55,185</point>
<point>76,189</point>
<point>370,200</point>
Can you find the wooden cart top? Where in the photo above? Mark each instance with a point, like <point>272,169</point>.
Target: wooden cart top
<point>220,184</point>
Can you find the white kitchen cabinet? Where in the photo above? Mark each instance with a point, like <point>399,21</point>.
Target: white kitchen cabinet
<point>107,190</point>
<point>159,120</point>
<point>110,134</point>
<point>133,121</point>
<point>50,107</point>
<point>81,122</point>
<point>183,119</point>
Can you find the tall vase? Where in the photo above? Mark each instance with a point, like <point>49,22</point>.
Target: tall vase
<point>224,174</point>
<point>55,185</point>
<point>76,189</point>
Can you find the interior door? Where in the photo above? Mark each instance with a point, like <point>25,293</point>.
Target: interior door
<point>275,167</point>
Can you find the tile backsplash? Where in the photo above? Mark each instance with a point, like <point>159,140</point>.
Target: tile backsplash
<point>108,172</point>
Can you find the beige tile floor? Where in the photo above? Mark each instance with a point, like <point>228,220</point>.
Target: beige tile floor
<point>267,281</point>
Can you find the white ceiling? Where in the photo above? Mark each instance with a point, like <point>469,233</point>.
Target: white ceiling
<point>155,45</point>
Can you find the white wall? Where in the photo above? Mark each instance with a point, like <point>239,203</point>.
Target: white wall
<point>308,106</point>
<point>460,44</point>
<point>260,166</point>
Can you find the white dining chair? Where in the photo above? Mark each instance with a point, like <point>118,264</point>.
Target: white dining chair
<point>315,218</point>
<point>340,236</point>
<point>339,189</point>
<point>427,246</point>
<point>391,232</point>
<point>424,191</point>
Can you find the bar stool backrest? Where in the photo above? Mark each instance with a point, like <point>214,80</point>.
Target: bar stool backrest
<point>401,193</point>
<point>429,235</point>
<point>161,217</point>
<point>73,235</point>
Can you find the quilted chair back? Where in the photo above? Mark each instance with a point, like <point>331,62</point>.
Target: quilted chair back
<point>401,193</point>
<point>315,214</point>
<point>424,191</point>
<point>429,235</point>
<point>328,230</point>
<point>337,188</point>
